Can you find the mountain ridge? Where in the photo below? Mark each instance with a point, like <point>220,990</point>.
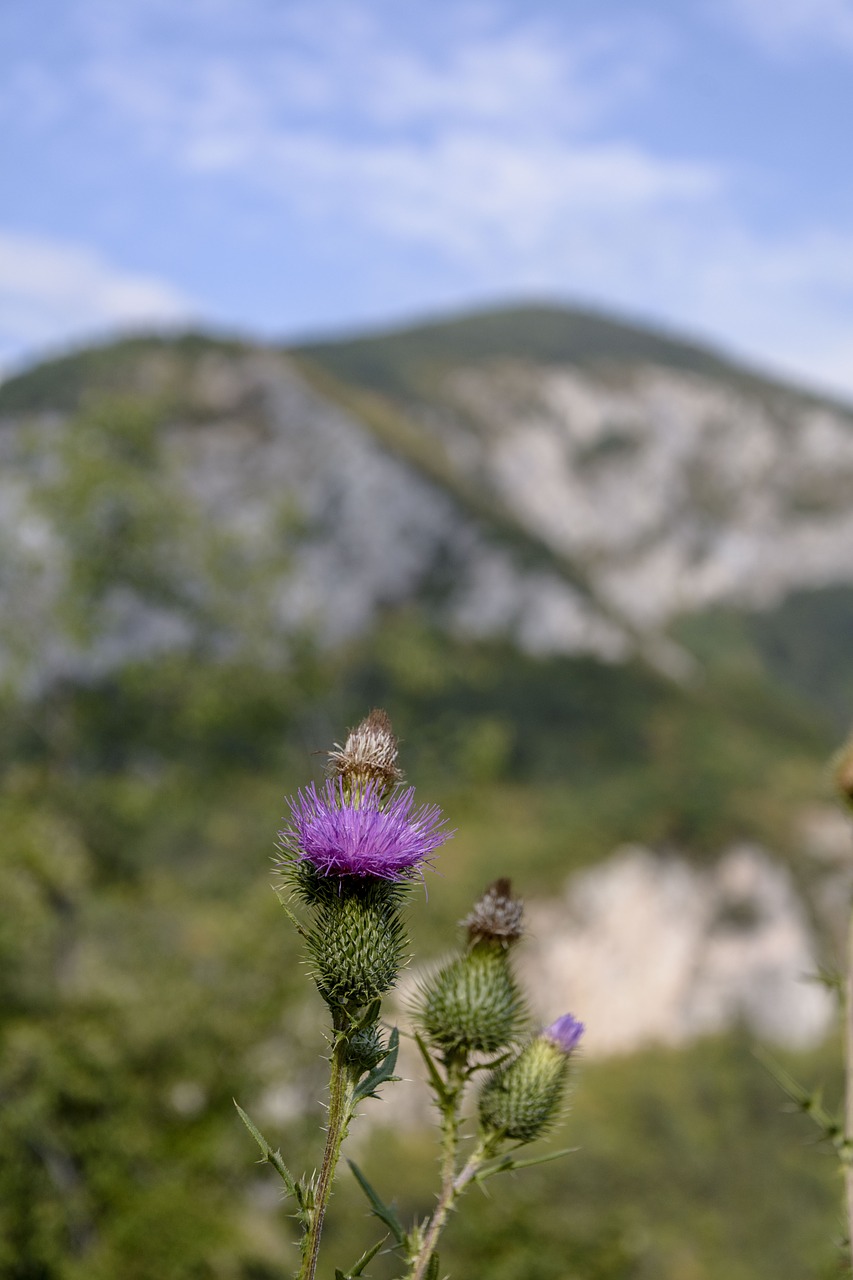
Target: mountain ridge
<point>544,333</point>
<point>567,499</point>
<point>372,356</point>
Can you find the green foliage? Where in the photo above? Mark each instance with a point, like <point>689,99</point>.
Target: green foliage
<point>687,1164</point>
<point>613,753</point>
<point>148,976</point>
<point>69,381</point>
<point>119,1052</point>
<point>409,364</point>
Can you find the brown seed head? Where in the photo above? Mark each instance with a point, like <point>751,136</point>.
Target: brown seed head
<point>497,917</point>
<point>368,755</point>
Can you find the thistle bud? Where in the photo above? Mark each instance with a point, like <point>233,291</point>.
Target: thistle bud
<point>369,755</point>
<point>472,1003</point>
<point>365,1048</point>
<point>497,917</point>
<point>357,943</point>
<point>520,1100</point>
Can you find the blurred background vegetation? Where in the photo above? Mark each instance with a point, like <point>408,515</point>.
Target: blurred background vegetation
<point>149,976</point>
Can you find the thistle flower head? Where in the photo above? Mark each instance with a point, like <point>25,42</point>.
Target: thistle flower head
<point>472,1003</point>
<point>359,833</point>
<point>522,1099</point>
<point>496,917</point>
<point>565,1033</point>
<point>369,755</point>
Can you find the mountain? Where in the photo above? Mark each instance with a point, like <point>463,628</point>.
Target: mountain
<point>557,478</point>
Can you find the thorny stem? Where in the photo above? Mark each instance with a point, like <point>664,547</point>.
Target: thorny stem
<point>452,1183</point>
<point>339,1106</point>
<point>450,1192</point>
<point>450,1119</point>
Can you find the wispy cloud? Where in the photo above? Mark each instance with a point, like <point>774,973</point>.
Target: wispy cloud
<point>793,27</point>
<point>347,62</point>
<point>476,151</point>
<point>480,145</point>
<point>49,290</point>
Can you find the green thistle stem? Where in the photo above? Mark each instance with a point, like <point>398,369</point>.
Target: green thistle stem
<point>450,1193</point>
<point>340,1101</point>
<point>450,1118</point>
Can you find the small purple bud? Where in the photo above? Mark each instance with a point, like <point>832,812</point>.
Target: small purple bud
<point>565,1033</point>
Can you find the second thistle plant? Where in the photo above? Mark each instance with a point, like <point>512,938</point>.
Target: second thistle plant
<point>469,1008</point>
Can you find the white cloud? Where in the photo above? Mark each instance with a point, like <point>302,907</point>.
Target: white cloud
<point>477,147</point>
<point>794,26</point>
<point>474,154</point>
<point>335,66</point>
<point>478,198</point>
<point>51,292</point>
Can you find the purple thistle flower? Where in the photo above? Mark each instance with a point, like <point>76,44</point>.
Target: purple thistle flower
<point>358,835</point>
<point>565,1033</point>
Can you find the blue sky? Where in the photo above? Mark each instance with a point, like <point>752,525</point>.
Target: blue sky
<point>284,169</point>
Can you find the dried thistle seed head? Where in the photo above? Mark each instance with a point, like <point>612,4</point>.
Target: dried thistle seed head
<point>368,755</point>
<point>497,917</point>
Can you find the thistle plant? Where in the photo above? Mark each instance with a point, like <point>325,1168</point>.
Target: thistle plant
<point>349,857</point>
<point>835,1128</point>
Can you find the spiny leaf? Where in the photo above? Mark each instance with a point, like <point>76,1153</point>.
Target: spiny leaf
<point>366,1257</point>
<point>810,1103</point>
<point>508,1163</point>
<point>432,1268</point>
<point>382,1211</point>
<point>368,1016</point>
<point>493,1065</point>
<point>438,1085</point>
<point>272,1157</point>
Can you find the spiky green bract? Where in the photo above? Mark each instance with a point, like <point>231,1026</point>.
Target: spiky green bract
<point>365,1048</point>
<point>522,1099</point>
<point>356,941</point>
<point>472,1004</point>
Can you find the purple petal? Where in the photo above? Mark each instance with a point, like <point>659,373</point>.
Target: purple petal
<point>565,1032</point>
<point>359,835</point>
